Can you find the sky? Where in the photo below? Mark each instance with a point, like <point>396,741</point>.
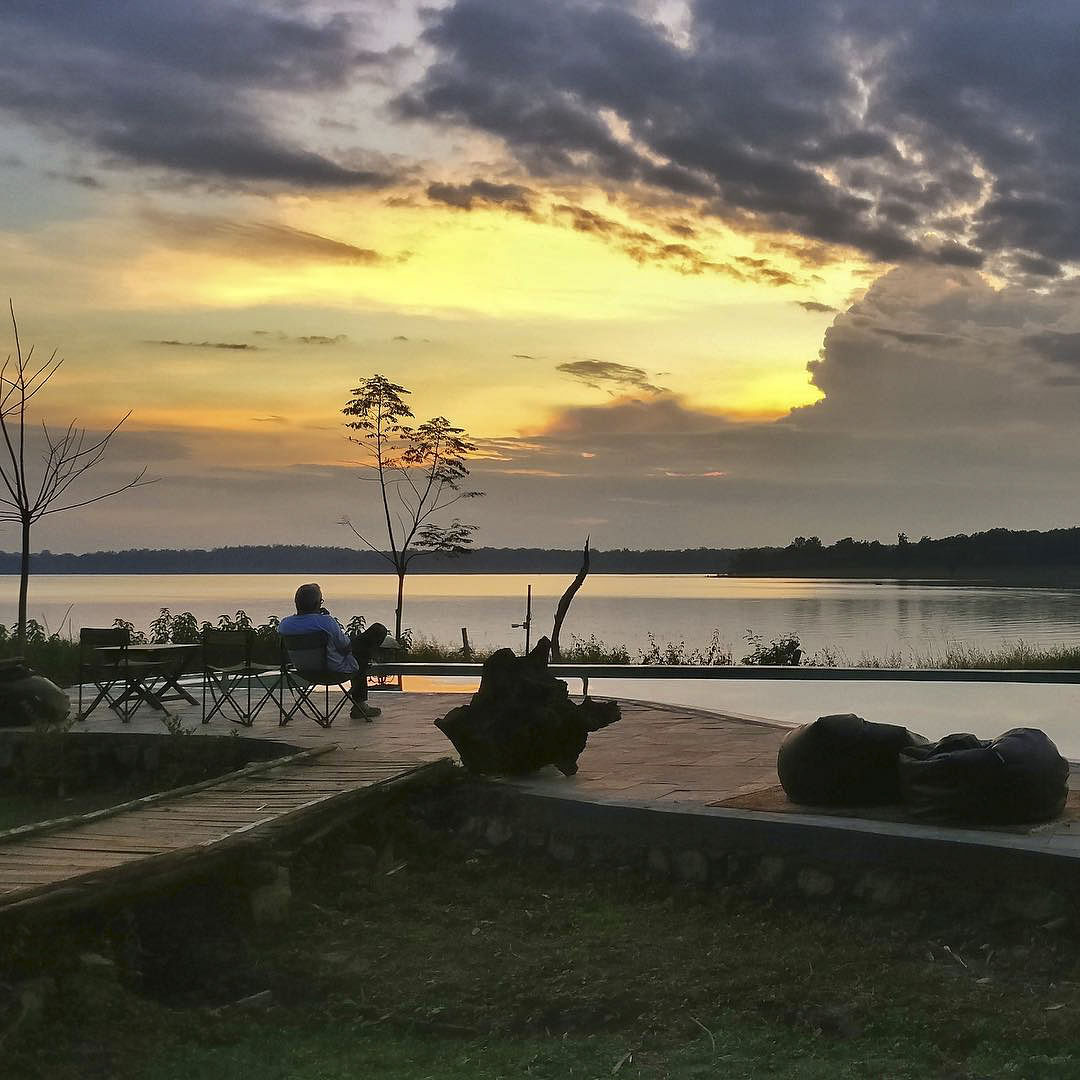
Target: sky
<point>690,273</point>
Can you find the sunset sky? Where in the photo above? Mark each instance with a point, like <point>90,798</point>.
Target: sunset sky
<point>691,272</point>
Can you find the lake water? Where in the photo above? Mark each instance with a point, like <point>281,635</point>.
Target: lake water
<point>851,617</point>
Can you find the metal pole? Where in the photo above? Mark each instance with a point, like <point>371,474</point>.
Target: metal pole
<point>528,617</point>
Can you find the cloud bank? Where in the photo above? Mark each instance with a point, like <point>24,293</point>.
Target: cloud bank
<point>186,89</point>
<point>938,131</point>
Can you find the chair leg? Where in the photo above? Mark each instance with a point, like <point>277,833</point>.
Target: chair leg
<point>103,692</point>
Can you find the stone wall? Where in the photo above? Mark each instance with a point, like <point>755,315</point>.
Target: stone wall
<point>728,854</point>
<point>122,761</point>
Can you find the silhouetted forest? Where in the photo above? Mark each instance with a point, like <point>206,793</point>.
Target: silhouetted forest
<point>998,554</point>
<point>285,558</point>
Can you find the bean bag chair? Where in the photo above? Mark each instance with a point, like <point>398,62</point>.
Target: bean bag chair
<point>843,760</point>
<point>27,698</point>
<point>1015,779</point>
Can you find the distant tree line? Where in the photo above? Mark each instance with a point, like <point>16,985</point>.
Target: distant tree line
<point>300,559</point>
<point>997,552</point>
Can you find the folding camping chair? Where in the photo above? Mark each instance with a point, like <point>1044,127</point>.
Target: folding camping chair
<point>122,683</point>
<point>233,684</point>
<point>304,670</point>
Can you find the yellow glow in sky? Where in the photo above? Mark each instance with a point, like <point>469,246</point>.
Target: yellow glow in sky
<point>501,301</point>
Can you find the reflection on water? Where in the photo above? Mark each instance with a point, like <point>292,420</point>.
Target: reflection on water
<point>855,617</point>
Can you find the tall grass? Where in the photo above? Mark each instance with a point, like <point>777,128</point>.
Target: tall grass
<point>1012,656</point>
<point>56,654</point>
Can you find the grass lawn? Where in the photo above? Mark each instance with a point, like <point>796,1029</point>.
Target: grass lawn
<point>462,964</point>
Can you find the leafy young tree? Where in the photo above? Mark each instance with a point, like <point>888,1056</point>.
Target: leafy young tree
<point>28,492</point>
<point>419,472</point>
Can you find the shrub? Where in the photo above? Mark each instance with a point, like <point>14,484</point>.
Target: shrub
<point>784,651</point>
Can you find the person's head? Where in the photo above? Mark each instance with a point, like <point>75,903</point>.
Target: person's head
<point>308,599</point>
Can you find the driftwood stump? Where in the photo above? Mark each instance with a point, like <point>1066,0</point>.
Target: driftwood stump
<point>522,718</point>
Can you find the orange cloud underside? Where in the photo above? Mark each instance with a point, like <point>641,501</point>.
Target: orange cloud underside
<point>494,285</point>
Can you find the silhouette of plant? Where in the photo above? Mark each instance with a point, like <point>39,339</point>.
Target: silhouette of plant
<point>419,472</point>
<point>784,651</point>
<point>28,494</point>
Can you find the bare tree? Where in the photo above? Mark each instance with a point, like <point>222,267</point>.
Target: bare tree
<point>564,602</point>
<point>419,472</point>
<point>28,492</point>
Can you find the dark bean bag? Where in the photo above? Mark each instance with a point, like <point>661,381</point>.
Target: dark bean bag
<point>843,760</point>
<point>1014,779</point>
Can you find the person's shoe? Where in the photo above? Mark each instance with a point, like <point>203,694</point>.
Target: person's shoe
<point>361,710</point>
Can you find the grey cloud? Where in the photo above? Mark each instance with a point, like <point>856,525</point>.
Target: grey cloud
<point>321,339</point>
<point>916,337</point>
<point>847,122</point>
<point>945,429</point>
<point>78,179</point>
<point>1059,348</point>
<point>960,417</point>
<point>815,305</point>
<point>644,247</point>
<point>595,372</point>
<point>479,192</point>
<point>182,89</point>
<point>259,240</point>
<point>303,339</point>
<point>1037,266</point>
<point>208,344</point>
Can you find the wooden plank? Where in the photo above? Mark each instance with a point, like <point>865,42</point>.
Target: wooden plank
<point>72,858</point>
<point>56,823</point>
<point>83,844</point>
<point>82,858</point>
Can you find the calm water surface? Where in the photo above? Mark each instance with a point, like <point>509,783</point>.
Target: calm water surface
<point>852,617</point>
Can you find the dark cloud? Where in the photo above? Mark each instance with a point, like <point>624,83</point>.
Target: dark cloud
<point>321,339</point>
<point>260,240</point>
<point>1058,348</point>
<point>937,131</point>
<point>512,197</point>
<point>950,425</point>
<point>595,373</point>
<point>949,406</point>
<point>524,356</point>
<point>1037,266</point>
<point>666,416</point>
<point>188,89</point>
<point>272,419</point>
<point>815,305</point>
<point>240,346</point>
<point>303,339</point>
<point>645,247</point>
<point>916,337</point>
<point>78,179</point>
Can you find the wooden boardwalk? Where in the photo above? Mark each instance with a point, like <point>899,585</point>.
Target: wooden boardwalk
<point>657,753</point>
<point>685,763</point>
<point>151,840</point>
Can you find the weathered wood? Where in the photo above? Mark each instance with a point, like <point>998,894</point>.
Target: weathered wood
<point>207,847</point>
<point>564,602</point>
<point>160,796</point>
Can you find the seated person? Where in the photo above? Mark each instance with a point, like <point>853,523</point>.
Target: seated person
<point>345,654</point>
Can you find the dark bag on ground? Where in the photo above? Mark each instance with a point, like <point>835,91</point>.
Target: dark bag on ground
<point>1014,779</point>
<point>843,760</point>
